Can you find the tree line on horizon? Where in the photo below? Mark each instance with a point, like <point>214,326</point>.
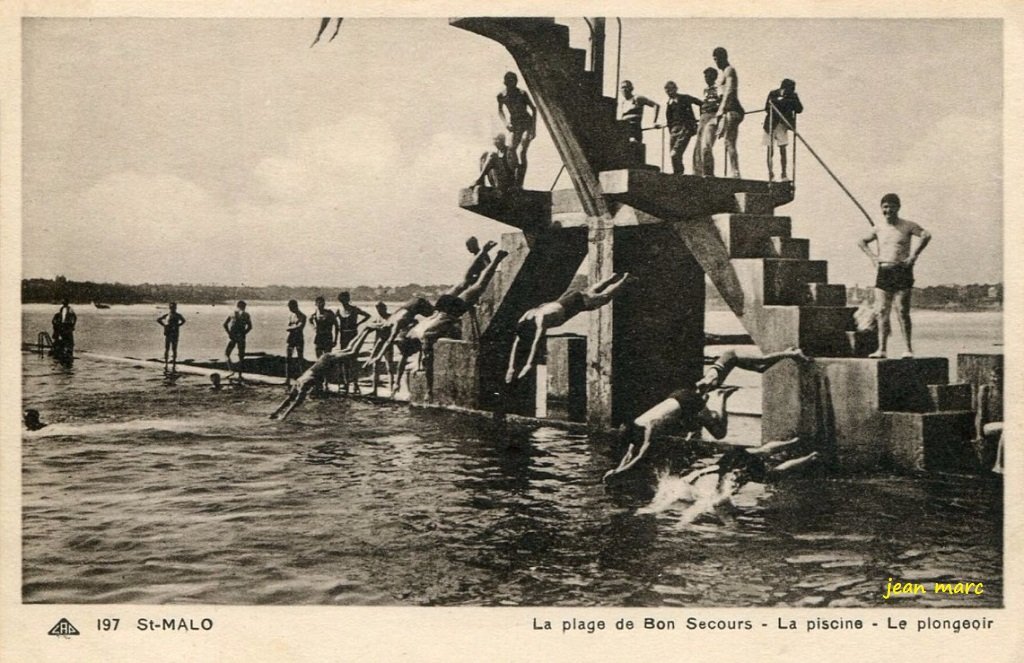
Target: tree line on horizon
<point>43,291</point>
<point>51,291</point>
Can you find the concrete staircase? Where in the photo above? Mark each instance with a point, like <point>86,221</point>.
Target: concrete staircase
<point>898,412</point>
<point>582,121</point>
<point>769,281</point>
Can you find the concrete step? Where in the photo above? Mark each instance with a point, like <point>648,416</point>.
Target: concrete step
<point>577,58</point>
<point>791,248</point>
<point>751,235</point>
<point>819,330</point>
<point>825,294</point>
<point>779,282</point>
<point>931,441</point>
<point>754,203</point>
<point>950,397</point>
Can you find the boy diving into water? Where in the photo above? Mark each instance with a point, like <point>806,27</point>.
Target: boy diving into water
<point>687,407</point>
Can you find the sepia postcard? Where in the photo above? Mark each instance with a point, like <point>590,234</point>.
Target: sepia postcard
<point>452,331</point>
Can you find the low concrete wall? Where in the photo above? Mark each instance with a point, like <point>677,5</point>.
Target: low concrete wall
<point>840,402</point>
<point>456,374</point>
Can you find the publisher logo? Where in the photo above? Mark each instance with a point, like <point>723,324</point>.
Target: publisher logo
<point>63,629</point>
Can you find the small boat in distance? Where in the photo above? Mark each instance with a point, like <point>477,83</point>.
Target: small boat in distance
<point>100,305</point>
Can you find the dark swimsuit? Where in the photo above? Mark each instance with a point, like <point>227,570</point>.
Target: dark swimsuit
<point>747,466</point>
<point>418,306</point>
<point>573,302</point>
<point>451,305</point>
<point>348,326</point>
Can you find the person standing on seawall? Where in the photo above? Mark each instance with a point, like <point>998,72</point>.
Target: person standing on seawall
<point>171,322</point>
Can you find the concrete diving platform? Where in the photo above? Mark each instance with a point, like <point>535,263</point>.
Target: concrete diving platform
<point>672,196</point>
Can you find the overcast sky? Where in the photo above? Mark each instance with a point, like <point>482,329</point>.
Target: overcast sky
<point>228,151</point>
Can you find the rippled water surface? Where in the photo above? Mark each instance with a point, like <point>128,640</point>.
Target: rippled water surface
<point>146,491</point>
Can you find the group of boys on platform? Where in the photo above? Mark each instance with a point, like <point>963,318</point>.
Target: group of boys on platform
<point>721,113</point>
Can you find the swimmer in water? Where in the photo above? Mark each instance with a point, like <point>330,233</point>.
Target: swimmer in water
<point>448,311</point>
<point>535,323</point>
<point>688,408</point>
<point>31,420</point>
<point>215,381</point>
<point>329,363</point>
<point>737,467</point>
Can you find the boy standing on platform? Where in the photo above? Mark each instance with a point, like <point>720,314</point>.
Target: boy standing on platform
<point>895,264</point>
<point>781,108</point>
<point>681,123</point>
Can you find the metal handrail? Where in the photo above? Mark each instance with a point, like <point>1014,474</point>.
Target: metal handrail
<point>821,161</point>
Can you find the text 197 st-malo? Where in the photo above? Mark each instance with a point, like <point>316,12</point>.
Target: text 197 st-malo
<point>170,624</point>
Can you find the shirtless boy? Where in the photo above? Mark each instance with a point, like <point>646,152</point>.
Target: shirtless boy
<point>521,122</point>
<point>237,325</point>
<point>535,323</point>
<point>171,322</point>
<point>497,168</point>
<point>730,111</point>
<point>895,264</point>
<point>326,367</point>
<point>448,310</point>
<point>631,111</point>
<point>296,339</point>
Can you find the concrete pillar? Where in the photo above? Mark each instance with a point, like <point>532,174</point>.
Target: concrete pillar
<point>600,367</point>
<point>567,377</point>
<point>658,323</point>
<point>597,46</point>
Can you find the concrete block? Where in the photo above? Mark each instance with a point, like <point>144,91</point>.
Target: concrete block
<point>456,376</point>
<point>951,397</point>
<point>903,383</point>
<point>567,377</point>
<point>754,203</point>
<point>776,282</point>
<point>931,441</point>
<point>792,248</point>
<point>419,392</point>
<point>818,330</point>
<point>825,294</point>
<point>750,235</point>
<point>832,403</point>
<point>840,402</point>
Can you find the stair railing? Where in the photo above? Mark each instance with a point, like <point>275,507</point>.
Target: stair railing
<point>821,161</point>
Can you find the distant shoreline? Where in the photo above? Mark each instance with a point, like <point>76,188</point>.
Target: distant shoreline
<point>959,298</point>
